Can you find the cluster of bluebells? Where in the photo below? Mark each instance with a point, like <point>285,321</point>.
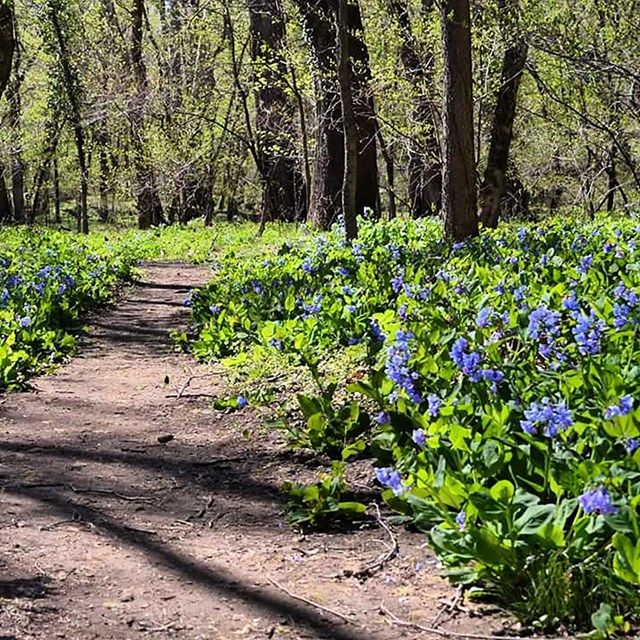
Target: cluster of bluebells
<point>548,417</point>
<point>470,363</point>
<point>623,408</point>
<point>626,302</point>
<point>390,478</point>
<point>588,333</point>
<point>544,326</point>
<point>398,368</point>
<point>597,501</point>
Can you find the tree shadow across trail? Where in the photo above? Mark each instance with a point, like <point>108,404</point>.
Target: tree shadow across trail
<point>214,579</point>
<point>35,588</point>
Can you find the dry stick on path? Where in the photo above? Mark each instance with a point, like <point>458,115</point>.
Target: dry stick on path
<point>446,633</point>
<point>368,570</point>
<point>312,603</point>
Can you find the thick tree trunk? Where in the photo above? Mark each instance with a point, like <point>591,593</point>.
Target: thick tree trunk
<point>424,167</point>
<point>148,204</point>
<point>319,20</point>
<point>459,174</point>
<point>284,194</point>
<point>495,175</point>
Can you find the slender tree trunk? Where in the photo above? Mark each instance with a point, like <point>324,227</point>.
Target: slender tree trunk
<point>57,200</point>
<point>283,185</point>
<point>103,183</point>
<point>424,167</point>
<point>459,173</point>
<point>495,175</point>
<point>349,183</point>
<point>72,89</point>
<point>149,206</point>
<point>17,161</point>
<point>15,124</point>
<point>6,210</point>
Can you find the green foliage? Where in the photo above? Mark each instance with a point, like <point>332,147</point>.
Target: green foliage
<point>321,505</point>
<point>504,375</point>
<point>48,281</point>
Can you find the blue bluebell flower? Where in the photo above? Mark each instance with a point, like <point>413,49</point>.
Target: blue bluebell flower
<point>585,265</point>
<point>25,322</point>
<point>520,293</point>
<point>467,361</point>
<point>383,418</point>
<point>623,408</point>
<point>242,402</point>
<point>552,417</point>
<point>397,366</point>
<point>483,319</point>
<point>588,333</point>
<point>597,501</point>
<point>435,404</point>
<point>632,445</point>
<point>389,477</point>
<point>418,436</point>
<point>376,331</point>
<point>461,520</point>
<point>543,322</point>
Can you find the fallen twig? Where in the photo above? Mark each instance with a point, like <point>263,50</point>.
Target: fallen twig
<point>450,606</point>
<point>186,385</point>
<point>370,569</point>
<point>312,603</point>
<point>446,633</point>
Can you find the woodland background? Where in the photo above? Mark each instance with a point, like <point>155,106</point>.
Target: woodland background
<point>175,109</point>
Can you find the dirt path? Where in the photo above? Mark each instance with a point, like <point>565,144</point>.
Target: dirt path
<point>107,533</point>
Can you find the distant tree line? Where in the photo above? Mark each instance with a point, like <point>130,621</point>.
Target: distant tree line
<point>171,110</point>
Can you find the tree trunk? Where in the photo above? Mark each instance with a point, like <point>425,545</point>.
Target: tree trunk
<point>7,43</point>
<point>283,195</point>
<point>15,124</point>
<point>349,183</point>
<point>459,173</point>
<point>148,204</point>
<point>424,167</point>
<point>57,200</point>
<point>319,20</point>
<point>6,210</point>
<point>495,175</point>
<point>72,90</point>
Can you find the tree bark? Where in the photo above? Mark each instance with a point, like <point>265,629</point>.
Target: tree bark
<point>349,184</point>
<point>15,124</point>
<point>149,206</point>
<point>459,195</point>
<point>495,175</point>
<point>6,210</point>
<point>319,21</point>
<point>283,194</point>
<point>7,43</point>
<point>72,90</point>
<point>424,167</point>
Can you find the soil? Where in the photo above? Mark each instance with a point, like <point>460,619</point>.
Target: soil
<point>130,508</point>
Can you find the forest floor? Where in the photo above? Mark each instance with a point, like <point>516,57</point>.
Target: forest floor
<point>106,532</point>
